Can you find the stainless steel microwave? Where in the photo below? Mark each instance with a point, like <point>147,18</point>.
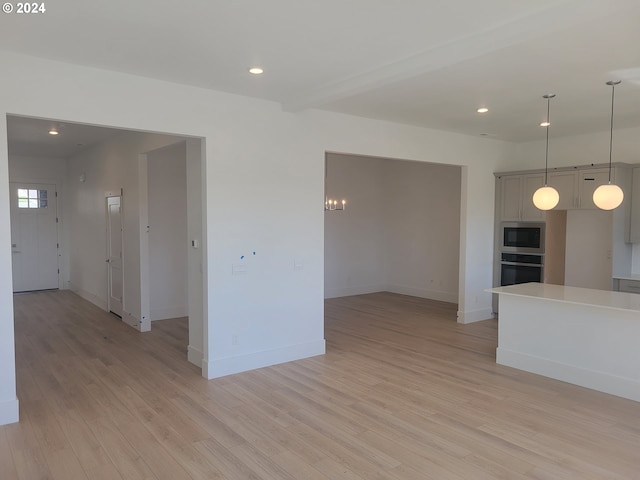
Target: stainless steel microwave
<point>522,237</point>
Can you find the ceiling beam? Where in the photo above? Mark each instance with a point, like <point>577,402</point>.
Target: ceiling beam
<point>526,27</point>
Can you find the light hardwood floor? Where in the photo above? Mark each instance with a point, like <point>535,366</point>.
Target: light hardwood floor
<point>403,392</point>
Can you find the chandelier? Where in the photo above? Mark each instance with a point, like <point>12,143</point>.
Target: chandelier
<point>331,205</point>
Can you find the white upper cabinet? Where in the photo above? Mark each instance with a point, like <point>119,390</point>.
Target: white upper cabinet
<point>589,180</point>
<point>511,196</point>
<point>575,187</point>
<point>531,183</point>
<point>566,183</point>
<point>516,197</point>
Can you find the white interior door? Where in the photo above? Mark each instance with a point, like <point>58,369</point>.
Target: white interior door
<point>34,237</point>
<point>114,254</point>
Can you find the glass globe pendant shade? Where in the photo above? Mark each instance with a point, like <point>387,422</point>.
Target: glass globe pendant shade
<point>545,198</point>
<point>608,197</point>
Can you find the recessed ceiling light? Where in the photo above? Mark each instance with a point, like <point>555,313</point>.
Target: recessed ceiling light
<point>482,110</point>
<point>545,124</point>
<point>53,131</point>
<point>256,71</point>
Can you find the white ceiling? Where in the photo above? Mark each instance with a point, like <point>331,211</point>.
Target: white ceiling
<point>422,62</point>
<point>29,137</point>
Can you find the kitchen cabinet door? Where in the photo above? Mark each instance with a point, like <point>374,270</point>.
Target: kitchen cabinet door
<point>566,183</point>
<point>589,180</point>
<point>516,197</point>
<point>530,184</point>
<point>511,197</point>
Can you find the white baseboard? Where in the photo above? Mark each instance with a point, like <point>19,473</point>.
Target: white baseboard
<point>195,356</point>
<point>9,412</point>
<point>471,316</point>
<point>90,297</point>
<point>220,367</point>
<point>424,293</point>
<point>166,313</point>
<point>128,318</point>
<point>349,291</point>
<point>603,382</point>
<point>205,369</point>
<point>400,289</point>
<point>135,322</point>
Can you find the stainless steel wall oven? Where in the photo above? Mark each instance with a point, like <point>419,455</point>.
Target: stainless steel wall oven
<point>521,268</point>
<point>522,237</point>
<point>521,252</point>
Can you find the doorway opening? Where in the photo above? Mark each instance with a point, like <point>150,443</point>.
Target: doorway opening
<point>115,272</point>
<point>165,247</point>
<point>400,232</point>
<point>95,172</point>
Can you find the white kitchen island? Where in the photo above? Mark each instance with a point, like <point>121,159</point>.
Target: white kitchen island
<point>579,335</point>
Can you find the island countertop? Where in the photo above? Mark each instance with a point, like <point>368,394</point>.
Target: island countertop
<point>576,295</point>
<point>626,276</point>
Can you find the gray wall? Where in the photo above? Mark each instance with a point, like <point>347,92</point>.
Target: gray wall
<point>400,231</point>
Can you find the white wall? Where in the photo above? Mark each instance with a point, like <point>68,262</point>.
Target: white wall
<point>263,184</point>
<point>107,167</point>
<point>423,229</point>
<point>588,249</point>
<point>8,399</point>
<point>195,152</point>
<point>400,231</point>
<point>355,260</point>
<point>41,169</point>
<point>586,149</point>
<point>167,210</point>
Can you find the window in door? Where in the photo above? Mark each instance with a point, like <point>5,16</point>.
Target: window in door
<point>32,198</point>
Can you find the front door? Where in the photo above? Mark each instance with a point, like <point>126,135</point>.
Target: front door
<point>114,254</point>
<point>34,237</point>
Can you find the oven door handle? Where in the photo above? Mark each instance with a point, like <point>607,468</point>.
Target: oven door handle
<point>522,264</point>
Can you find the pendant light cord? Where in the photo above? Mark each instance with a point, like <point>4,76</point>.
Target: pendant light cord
<point>546,155</point>
<point>613,90</point>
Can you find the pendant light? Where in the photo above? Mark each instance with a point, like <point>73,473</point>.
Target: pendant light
<point>609,196</point>
<point>546,197</point>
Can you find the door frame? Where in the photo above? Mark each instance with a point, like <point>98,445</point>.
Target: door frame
<point>143,215</point>
<point>198,268</point>
<point>107,195</point>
